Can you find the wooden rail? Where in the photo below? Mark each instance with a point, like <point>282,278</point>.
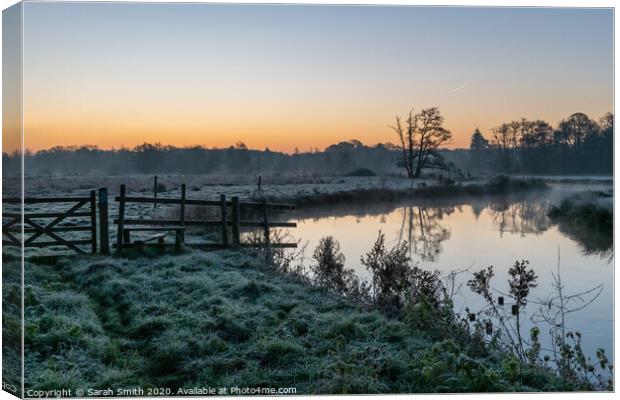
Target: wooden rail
<point>196,202</point>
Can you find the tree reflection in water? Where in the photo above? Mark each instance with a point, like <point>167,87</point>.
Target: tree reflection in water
<point>521,217</point>
<point>422,230</point>
<point>422,226</point>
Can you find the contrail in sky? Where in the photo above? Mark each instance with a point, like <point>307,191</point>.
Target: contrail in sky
<point>456,89</point>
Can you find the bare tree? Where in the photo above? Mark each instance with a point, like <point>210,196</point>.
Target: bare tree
<point>419,139</point>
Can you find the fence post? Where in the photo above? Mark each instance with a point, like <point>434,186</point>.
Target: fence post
<point>121,220</point>
<point>260,178</point>
<point>266,226</point>
<point>93,222</point>
<point>224,222</point>
<point>155,190</point>
<point>180,237</point>
<point>104,240</point>
<point>126,236</point>
<point>235,221</point>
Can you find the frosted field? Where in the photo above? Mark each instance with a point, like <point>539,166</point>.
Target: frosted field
<point>206,187</point>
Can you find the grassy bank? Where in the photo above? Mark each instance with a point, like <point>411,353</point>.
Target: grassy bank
<point>495,186</point>
<point>588,218</point>
<point>223,319</point>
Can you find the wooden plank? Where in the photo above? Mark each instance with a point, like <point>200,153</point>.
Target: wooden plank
<point>121,220</point>
<point>150,238</point>
<point>175,222</point>
<point>154,228</point>
<point>272,245</point>
<point>179,239</point>
<point>49,215</point>
<point>205,246</point>
<point>53,229</point>
<point>279,206</point>
<point>93,222</point>
<point>271,224</point>
<point>200,222</point>
<point>155,190</point>
<point>12,239</point>
<point>181,233</point>
<point>165,200</point>
<point>71,242</point>
<point>236,237</point>
<point>35,200</point>
<point>224,222</point>
<point>126,235</point>
<point>104,235</point>
<point>196,202</point>
<point>266,228</point>
<point>208,246</point>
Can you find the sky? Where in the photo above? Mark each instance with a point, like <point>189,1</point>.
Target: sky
<point>287,77</point>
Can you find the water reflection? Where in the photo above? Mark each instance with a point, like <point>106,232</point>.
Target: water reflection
<point>422,230</point>
<point>591,242</point>
<point>424,227</point>
<point>523,217</point>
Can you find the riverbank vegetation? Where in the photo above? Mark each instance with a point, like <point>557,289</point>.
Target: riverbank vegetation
<point>588,218</point>
<point>445,188</point>
<point>230,319</point>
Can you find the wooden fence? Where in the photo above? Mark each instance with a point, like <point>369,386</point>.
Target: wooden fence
<point>229,223</point>
<point>35,225</point>
<point>232,207</point>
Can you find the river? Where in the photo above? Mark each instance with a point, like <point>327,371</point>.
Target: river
<point>472,234</point>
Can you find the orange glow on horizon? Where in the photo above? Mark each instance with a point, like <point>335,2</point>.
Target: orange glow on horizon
<point>281,140</point>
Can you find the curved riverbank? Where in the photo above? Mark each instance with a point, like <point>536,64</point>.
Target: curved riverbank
<point>495,186</point>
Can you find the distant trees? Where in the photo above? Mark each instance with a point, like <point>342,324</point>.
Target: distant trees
<point>579,145</point>
<point>420,139</point>
<point>150,158</point>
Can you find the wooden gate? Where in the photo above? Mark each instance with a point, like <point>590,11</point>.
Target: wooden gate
<point>50,225</point>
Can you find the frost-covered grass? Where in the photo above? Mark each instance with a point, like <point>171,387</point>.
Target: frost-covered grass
<point>224,319</point>
<point>11,326</point>
<point>244,186</point>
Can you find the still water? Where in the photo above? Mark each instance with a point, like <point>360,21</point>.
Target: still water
<point>474,234</point>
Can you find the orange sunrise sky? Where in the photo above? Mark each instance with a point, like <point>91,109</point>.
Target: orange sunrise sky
<point>286,77</point>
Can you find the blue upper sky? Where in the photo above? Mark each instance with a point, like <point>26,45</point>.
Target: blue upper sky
<point>302,76</point>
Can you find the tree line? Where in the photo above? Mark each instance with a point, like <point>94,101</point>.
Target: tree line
<point>347,157</point>
<point>578,145</point>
